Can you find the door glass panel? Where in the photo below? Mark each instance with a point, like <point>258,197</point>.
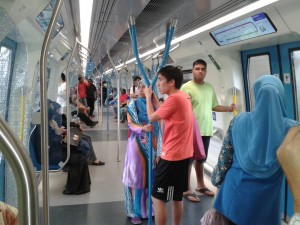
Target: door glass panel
<point>257,67</point>
<point>296,72</point>
<point>5,70</point>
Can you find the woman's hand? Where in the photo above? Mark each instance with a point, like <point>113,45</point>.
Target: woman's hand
<point>148,91</point>
<point>147,127</point>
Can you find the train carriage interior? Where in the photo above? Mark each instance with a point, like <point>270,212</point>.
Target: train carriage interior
<point>111,42</point>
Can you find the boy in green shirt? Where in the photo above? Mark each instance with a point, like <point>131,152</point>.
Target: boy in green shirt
<point>204,101</point>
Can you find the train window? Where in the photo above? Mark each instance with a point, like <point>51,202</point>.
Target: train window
<point>257,66</point>
<point>44,17</point>
<point>295,57</point>
<point>7,51</point>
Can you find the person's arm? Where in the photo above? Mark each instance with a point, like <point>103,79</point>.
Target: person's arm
<point>58,130</point>
<point>136,128</point>
<point>288,156</point>
<point>222,108</point>
<point>152,116</point>
<point>155,101</point>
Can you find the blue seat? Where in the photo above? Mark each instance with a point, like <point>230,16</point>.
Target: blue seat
<point>35,150</point>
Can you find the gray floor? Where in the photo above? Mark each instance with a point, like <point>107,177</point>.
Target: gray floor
<point>112,213</point>
<point>104,205</point>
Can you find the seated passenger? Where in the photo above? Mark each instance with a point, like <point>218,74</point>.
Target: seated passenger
<point>82,113</point>
<point>78,181</point>
<point>123,106</point>
<point>250,192</point>
<point>85,144</point>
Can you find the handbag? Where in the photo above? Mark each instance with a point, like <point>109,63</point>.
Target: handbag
<point>213,217</point>
<point>199,152</point>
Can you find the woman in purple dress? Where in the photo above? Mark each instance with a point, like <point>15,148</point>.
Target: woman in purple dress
<point>135,175</point>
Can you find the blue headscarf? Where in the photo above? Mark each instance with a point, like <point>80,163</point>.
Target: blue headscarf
<point>257,135</point>
<point>141,105</point>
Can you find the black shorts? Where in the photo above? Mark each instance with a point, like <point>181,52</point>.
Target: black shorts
<point>170,180</point>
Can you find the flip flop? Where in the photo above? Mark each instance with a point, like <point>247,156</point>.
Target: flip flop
<point>136,220</point>
<point>205,191</point>
<point>192,197</point>
<point>98,163</point>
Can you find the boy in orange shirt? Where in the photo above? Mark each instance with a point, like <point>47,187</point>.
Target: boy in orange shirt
<point>171,174</point>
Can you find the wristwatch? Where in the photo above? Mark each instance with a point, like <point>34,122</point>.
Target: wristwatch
<point>295,219</point>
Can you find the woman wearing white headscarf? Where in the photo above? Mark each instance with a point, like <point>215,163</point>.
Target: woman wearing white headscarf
<point>251,190</point>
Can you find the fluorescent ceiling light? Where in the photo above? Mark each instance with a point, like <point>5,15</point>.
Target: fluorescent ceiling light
<point>240,12</point>
<point>85,7</point>
<point>145,59</point>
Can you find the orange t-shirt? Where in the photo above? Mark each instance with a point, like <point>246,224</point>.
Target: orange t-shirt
<point>82,89</point>
<point>177,113</point>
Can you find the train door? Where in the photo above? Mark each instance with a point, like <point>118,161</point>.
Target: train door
<point>282,61</point>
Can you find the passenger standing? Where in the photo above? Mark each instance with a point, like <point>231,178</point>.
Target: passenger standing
<point>104,92</point>
<point>82,86</point>
<point>204,101</point>
<point>136,159</point>
<point>91,92</point>
<point>62,94</point>
<point>134,91</point>
<point>251,190</point>
<point>171,173</point>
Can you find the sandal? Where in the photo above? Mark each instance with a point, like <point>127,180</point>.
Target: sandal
<point>136,220</point>
<point>192,197</point>
<point>98,163</point>
<point>206,191</point>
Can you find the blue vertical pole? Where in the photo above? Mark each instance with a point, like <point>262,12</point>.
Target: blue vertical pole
<point>169,35</point>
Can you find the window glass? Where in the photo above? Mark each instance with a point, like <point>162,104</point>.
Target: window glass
<point>5,71</point>
<point>257,67</point>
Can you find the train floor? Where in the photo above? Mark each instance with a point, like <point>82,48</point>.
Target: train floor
<point>104,204</point>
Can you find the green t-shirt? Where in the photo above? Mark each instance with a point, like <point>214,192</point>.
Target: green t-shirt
<point>203,98</point>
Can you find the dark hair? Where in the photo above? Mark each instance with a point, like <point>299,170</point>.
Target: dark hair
<point>136,78</point>
<point>161,100</point>
<point>172,73</point>
<point>123,91</point>
<point>80,77</point>
<point>200,61</point>
<point>63,76</point>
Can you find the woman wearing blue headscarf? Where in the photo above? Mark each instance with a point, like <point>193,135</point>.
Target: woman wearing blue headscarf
<point>135,175</point>
<point>251,190</point>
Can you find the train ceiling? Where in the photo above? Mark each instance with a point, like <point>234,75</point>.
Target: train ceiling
<point>109,23</point>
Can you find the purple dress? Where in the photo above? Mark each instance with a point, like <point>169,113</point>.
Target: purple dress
<point>135,175</point>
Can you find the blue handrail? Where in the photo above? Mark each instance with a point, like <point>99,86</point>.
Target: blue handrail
<point>169,35</point>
